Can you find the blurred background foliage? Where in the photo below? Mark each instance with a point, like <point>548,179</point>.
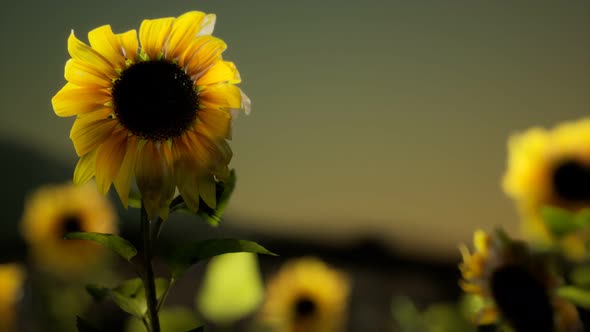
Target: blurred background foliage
<point>378,134</point>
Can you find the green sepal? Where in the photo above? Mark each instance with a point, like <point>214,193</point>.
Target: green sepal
<point>97,293</point>
<point>113,242</point>
<point>84,326</point>
<point>186,256</point>
<point>129,295</point>
<point>577,296</point>
<point>560,221</point>
<point>223,192</point>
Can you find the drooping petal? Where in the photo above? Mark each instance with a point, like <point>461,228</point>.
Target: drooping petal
<point>218,122</point>
<point>74,100</point>
<point>125,176</point>
<point>91,58</point>
<point>86,168</point>
<point>184,31</point>
<point>129,44</point>
<point>221,96</point>
<point>207,191</point>
<point>220,72</point>
<point>109,158</point>
<point>210,153</point>
<point>84,76</point>
<point>207,25</point>
<point>88,133</point>
<point>155,179</point>
<point>103,40</point>
<point>201,55</point>
<point>186,172</point>
<point>153,35</point>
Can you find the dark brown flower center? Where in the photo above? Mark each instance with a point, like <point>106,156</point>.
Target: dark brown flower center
<point>71,223</point>
<point>571,181</point>
<point>155,100</point>
<point>305,307</point>
<point>522,299</point>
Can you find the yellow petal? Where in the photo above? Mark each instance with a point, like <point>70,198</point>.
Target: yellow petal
<point>109,158</point>
<point>103,40</point>
<point>125,176</point>
<point>488,315</point>
<point>153,35</point>
<point>129,44</point>
<point>88,135</point>
<point>211,154</point>
<point>220,72</point>
<point>91,58</point>
<point>86,168</point>
<point>84,76</point>
<point>73,100</point>
<point>220,96</point>
<point>218,122</point>
<point>154,177</point>
<point>184,31</point>
<point>201,55</point>
<point>481,241</point>
<point>186,172</point>
<point>87,119</point>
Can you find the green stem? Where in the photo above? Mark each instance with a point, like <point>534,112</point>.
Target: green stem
<point>148,277</point>
<point>166,292</point>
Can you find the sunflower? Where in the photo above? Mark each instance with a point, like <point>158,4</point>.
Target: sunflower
<point>11,282</point>
<point>306,295</point>
<point>155,112</point>
<point>514,284</point>
<point>51,212</point>
<point>550,168</point>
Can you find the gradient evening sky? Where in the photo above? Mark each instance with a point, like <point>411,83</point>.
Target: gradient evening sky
<point>369,117</point>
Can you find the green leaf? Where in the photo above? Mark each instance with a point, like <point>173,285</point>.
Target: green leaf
<point>193,253</point>
<point>198,329</point>
<point>560,221</point>
<point>223,192</point>
<point>113,242</point>
<point>129,295</point>
<point>577,296</point>
<point>84,326</point>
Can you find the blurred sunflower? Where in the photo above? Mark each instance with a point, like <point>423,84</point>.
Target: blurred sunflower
<point>53,211</point>
<point>549,168</point>
<point>11,283</point>
<point>159,113</point>
<point>514,284</point>
<point>306,295</point>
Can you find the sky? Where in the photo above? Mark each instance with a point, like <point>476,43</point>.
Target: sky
<point>384,119</point>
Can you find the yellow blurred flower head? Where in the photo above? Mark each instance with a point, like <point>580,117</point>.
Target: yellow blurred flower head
<point>156,109</point>
<point>549,168</point>
<point>11,283</point>
<point>307,295</point>
<point>54,210</point>
<point>514,284</point>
